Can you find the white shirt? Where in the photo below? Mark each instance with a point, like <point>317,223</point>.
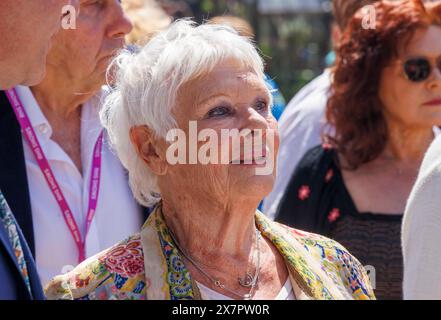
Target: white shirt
<point>300,128</point>
<point>421,231</point>
<point>117,214</point>
<point>286,293</point>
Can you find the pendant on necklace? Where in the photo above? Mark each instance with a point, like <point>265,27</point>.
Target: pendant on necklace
<point>248,282</point>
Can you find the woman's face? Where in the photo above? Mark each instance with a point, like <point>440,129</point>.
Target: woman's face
<point>230,97</point>
<point>415,104</point>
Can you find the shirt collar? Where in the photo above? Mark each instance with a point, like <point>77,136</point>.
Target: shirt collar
<point>90,112</point>
<point>33,110</point>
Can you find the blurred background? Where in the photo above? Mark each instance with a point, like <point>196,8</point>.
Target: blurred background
<point>293,35</point>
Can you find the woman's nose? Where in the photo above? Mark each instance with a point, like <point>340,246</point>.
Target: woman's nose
<point>435,81</point>
<point>254,119</point>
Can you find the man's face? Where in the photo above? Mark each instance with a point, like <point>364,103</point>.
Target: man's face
<point>82,55</point>
<point>26,30</point>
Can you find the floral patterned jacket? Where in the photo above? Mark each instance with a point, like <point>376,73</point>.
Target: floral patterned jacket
<point>148,266</point>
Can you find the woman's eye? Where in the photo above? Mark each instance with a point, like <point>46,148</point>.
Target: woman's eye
<point>261,106</point>
<point>218,112</point>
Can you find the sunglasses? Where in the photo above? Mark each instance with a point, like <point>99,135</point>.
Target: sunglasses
<point>419,69</point>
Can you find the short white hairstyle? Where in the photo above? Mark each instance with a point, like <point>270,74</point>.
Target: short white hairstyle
<point>146,84</point>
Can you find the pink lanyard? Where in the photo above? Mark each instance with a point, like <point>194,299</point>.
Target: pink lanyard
<point>45,168</point>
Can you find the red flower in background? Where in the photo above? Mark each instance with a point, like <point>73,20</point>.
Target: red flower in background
<point>334,215</point>
<point>326,146</point>
<point>329,175</point>
<point>304,193</point>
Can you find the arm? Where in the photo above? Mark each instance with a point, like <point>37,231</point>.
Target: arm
<point>421,237</point>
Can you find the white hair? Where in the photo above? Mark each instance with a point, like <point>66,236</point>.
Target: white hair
<point>146,84</point>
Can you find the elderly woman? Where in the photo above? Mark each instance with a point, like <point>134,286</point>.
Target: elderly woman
<point>67,188</point>
<point>385,108</point>
<point>204,239</point>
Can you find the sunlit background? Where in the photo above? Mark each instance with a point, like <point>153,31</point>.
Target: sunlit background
<point>293,35</point>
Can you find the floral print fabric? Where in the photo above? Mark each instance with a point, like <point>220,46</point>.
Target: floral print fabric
<point>149,266</point>
<point>9,223</point>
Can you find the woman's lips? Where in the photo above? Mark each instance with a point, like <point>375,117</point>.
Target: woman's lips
<point>254,161</point>
<point>435,102</point>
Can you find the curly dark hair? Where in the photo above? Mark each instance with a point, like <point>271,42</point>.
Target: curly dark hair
<point>343,10</point>
<point>354,108</point>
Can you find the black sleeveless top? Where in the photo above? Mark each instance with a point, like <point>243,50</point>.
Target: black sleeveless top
<point>317,200</point>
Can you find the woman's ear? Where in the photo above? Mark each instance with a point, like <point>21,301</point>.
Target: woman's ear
<point>148,148</point>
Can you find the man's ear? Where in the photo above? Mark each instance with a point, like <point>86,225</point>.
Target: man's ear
<point>147,147</point>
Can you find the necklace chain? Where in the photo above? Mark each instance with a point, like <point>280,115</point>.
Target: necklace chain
<point>249,282</point>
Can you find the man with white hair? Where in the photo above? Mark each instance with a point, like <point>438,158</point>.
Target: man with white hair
<point>26,29</point>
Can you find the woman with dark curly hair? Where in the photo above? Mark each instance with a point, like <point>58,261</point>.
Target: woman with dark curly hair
<point>384,108</point>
